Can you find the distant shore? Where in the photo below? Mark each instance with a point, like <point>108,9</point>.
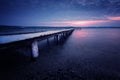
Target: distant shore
<point>11,30</point>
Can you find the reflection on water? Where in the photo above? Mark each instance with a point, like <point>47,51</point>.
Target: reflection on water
<point>95,51</point>
<point>97,35</point>
<point>81,33</point>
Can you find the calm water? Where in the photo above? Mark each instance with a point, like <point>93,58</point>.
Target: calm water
<point>96,50</point>
<point>88,54</point>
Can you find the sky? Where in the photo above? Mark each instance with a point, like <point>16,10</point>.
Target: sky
<point>78,13</point>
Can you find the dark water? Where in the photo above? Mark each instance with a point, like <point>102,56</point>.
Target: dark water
<point>88,54</point>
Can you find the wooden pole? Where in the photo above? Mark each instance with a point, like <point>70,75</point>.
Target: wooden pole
<point>35,50</point>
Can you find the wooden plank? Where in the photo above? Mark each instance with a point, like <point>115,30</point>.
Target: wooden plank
<point>14,38</point>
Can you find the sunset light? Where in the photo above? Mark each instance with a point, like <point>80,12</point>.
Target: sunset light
<point>60,39</point>
<point>114,18</point>
<point>75,23</point>
<point>87,23</point>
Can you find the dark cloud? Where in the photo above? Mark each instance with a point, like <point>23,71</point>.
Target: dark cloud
<point>109,5</point>
<point>46,10</point>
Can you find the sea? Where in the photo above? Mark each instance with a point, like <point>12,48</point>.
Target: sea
<point>87,54</point>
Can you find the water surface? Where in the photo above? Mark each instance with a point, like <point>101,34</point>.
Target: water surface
<point>88,54</point>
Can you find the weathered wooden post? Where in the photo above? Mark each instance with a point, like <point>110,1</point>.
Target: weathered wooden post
<point>35,50</point>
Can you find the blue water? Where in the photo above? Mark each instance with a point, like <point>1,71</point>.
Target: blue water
<point>96,50</point>
<point>88,54</point>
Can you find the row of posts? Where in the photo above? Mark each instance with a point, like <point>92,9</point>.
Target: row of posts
<point>57,38</point>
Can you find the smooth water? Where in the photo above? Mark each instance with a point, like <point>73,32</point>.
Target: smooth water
<point>96,50</point>
<point>88,54</point>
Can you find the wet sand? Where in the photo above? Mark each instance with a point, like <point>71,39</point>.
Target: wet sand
<point>88,54</point>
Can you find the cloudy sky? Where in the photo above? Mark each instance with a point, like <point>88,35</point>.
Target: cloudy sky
<point>60,12</point>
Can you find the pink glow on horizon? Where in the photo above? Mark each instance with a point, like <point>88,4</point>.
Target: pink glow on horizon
<point>76,23</point>
<point>87,23</point>
<point>114,18</point>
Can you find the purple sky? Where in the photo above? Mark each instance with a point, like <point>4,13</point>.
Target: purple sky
<point>60,12</point>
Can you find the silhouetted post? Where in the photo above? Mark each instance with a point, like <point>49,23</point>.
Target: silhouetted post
<point>56,39</point>
<point>65,35</point>
<point>48,41</point>
<point>61,37</point>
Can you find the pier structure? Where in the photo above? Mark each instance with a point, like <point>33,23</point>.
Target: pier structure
<point>32,39</point>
